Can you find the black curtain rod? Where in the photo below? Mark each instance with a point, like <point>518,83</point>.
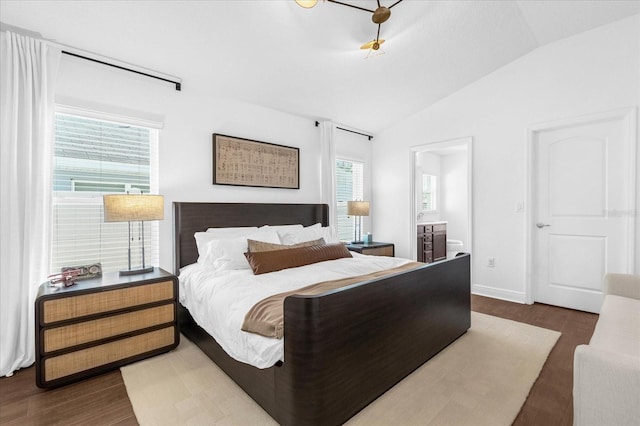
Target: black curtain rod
<point>178,84</point>
<point>352,131</point>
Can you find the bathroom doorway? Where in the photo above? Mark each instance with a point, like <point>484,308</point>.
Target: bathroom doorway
<point>441,191</point>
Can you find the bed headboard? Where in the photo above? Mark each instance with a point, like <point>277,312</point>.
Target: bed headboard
<point>189,218</point>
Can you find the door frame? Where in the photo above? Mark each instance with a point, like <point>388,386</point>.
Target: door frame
<point>467,142</point>
<point>628,116</point>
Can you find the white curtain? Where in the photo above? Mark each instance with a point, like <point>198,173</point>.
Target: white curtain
<point>328,158</point>
<point>27,75</point>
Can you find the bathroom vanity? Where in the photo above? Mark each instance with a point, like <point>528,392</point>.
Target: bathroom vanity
<point>432,241</point>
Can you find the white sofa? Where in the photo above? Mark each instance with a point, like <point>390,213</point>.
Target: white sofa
<point>606,372</point>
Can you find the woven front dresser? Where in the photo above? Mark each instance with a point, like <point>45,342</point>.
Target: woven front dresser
<point>100,324</point>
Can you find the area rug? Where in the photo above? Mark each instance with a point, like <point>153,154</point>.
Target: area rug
<point>483,378</point>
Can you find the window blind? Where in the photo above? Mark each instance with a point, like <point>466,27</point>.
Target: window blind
<point>349,187</point>
<point>93,157</point>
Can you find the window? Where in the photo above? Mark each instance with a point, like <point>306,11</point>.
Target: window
<point>93,157</point>
<point>428,201</point>
<point>349,187</point>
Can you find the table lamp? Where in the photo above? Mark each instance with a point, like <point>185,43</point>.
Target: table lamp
<point>133,208</point>
<point>357,209</point>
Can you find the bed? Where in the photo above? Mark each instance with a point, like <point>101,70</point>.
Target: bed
<point>343,348</point>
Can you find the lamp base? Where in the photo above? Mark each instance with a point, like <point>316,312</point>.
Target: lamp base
<point>136,271</point>
<point>356,242</point>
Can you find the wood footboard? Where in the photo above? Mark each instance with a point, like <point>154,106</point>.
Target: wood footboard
<point>345,348</point>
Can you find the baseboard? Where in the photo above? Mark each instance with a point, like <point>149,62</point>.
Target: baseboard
<point>499,293</point>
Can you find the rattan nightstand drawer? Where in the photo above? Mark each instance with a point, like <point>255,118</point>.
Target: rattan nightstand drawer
<point>90,331</point>
<point>105,301</point>
<point>97,356</point>
<point>379,251</point>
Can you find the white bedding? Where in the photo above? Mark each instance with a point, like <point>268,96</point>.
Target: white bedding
<point>219,300</point>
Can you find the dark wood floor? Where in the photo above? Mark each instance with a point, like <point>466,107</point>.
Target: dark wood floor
<point>103,400</point>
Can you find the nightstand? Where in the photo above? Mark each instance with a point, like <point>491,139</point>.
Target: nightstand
<point>100,324</point>
<point>375,249</point>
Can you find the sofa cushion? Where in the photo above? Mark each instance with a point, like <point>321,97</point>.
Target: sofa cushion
<point>618,328</point>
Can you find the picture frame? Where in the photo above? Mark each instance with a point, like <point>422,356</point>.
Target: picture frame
<point>246,162</point>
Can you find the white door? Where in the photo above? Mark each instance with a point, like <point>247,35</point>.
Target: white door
<point>584,178</point>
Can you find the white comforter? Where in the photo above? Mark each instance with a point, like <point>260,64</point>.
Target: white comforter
<point>219,300</point>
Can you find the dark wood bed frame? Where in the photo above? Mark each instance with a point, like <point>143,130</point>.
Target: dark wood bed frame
<point>344,348</point>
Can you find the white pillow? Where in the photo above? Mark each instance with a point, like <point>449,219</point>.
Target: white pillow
<point>309,233</point>
<point>228,253</point>
<point>292,229</point>
<point>202,238</point>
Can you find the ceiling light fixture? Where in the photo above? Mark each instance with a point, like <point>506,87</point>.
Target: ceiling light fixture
<point>380,16</point>
<point>307,4</point>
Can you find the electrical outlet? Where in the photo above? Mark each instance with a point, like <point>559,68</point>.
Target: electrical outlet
<point>491,262</point>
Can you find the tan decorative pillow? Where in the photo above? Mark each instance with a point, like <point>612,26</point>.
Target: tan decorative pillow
<point>276,260</point>
<point>258,246</point>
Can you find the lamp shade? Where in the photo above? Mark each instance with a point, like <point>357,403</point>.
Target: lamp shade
<point>133,207</point>
<point>358,208</point>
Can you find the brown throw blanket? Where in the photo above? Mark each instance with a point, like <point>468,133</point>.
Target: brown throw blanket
<point>267,316</point>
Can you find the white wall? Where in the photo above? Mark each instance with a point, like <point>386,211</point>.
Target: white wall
<point>190,118</point>
<point>591,72</point>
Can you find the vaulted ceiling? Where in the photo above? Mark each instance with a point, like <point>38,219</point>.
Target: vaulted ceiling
<point>307,61</point>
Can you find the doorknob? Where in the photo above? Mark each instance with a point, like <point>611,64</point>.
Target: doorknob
<point>541,225</point>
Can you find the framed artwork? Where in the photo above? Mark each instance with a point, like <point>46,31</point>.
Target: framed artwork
<point>245,162</point>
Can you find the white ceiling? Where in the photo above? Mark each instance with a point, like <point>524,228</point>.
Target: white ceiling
<point>307,61</point>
